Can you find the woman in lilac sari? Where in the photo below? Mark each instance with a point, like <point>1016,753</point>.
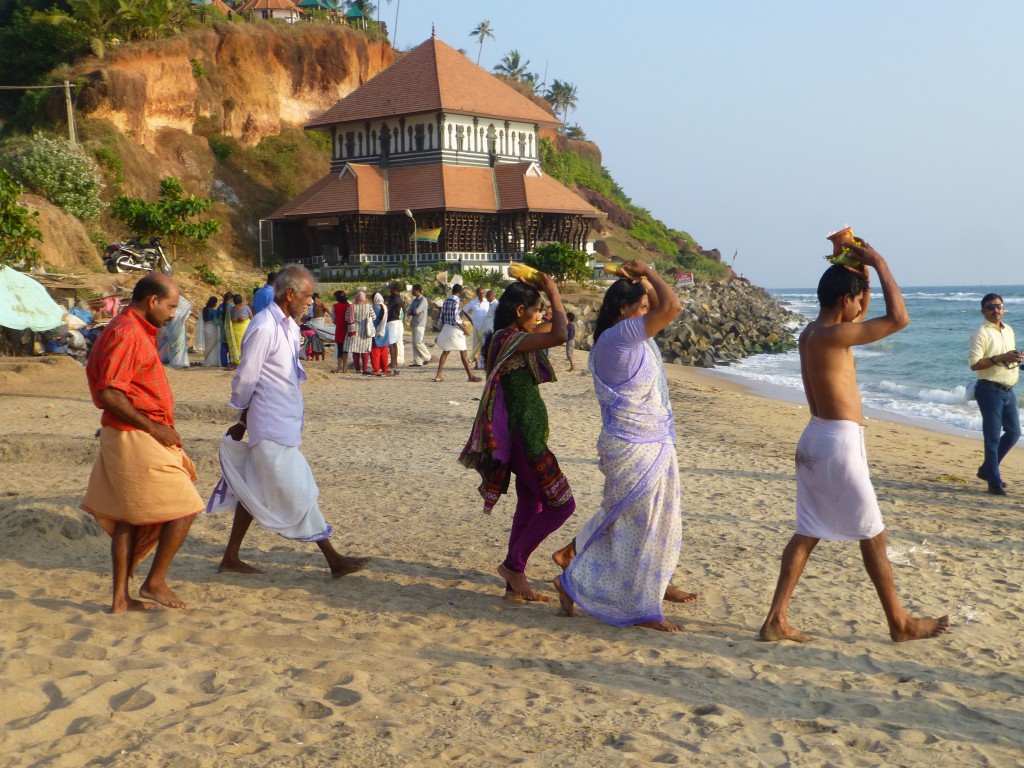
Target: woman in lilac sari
<point>510,432</point>
<point>619,566</point>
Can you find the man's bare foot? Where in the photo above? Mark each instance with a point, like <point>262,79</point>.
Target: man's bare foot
<point>530,597</point>
<point>676,595</point>
<point>919,629</point>
<point>124,606</point>
<point>438,378</point>
<point>235,565</point>
<point>475,378</point>
<point>568,606</point>
<point>565,555</point>
<point>661,626</point>
<point>346,565</point>
<point>780,630</point>
<point>163,595</point>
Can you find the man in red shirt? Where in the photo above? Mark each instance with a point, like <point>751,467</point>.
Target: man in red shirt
<point>140,490</point>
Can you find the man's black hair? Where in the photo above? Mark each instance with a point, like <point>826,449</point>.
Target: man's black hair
<point>990,297</point>
<point>456,289</point>
<point>151,285</point>
<point>838,281</point>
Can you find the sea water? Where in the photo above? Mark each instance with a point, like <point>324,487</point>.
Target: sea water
<point>919,374</point>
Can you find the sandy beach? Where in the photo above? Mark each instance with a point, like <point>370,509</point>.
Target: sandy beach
<point>417,661</point>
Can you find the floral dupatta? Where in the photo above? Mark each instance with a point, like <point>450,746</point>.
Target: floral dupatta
<point>490,441</point>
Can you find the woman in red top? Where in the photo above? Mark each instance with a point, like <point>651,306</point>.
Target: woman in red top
<point>340,314</point>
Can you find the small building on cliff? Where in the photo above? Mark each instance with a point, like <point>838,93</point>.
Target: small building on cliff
<point>433,160</point>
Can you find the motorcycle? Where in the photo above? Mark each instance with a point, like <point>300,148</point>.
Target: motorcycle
<point>132,256</point>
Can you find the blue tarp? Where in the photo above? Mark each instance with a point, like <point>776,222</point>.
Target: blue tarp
<point>24,303</point>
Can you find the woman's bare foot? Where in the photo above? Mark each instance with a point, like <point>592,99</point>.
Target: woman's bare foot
<point>343,565</point>
<point>919,629</point>
<point>661,626</point>
<point>565,555</point>
<point>162,594</point>
<point>235,565</point>
<point>780,630</point>
<point>475,378</point>
<point>438,378</point>
<point>676,595</point>
<point>124,606</point>
<point>568,606</point>
<point>518,581</point>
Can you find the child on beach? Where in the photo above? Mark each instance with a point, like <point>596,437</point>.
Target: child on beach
<point>510,431</point>
<point>834,496</point>
<point>570,341</point>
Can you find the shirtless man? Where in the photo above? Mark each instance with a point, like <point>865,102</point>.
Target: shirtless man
<point>831,449</point>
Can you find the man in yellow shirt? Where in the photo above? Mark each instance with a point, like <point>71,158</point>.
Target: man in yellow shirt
<point>994,357</point>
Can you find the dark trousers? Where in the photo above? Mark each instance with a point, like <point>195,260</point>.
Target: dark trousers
<point>535,519</point>
<point>1000,426</point>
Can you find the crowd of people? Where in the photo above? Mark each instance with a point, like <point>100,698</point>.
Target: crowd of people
<point>619,565</point>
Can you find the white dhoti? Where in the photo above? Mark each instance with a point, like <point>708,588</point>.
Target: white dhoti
<point>275,485</point>
<point>451,339</point>
<point>834,496</point>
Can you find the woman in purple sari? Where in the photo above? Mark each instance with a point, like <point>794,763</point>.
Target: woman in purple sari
<point>510,432</point>
<point>619,566</point>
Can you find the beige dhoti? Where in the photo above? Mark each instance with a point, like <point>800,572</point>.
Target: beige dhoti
<point>138,481</point>
<point>834,496</point>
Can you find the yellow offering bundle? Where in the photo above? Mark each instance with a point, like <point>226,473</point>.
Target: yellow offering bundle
<point>524,274</point>
<point>612,269</point>
<point>841,253</point>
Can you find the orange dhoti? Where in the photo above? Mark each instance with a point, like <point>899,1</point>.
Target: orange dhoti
<point>138,481</point>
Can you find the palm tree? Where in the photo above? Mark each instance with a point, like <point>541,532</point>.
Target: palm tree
<point>562,96</point>
<point>98,19</point>
<point>512,66</point>
<point>575,131</point>
<point>483,31</point>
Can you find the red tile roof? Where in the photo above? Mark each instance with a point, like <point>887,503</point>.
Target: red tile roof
<point>361,189</point>
<point>268,5</point>
<point>433,77</point>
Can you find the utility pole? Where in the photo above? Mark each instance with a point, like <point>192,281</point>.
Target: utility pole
<point>72,134</point>
<point>415,248</point>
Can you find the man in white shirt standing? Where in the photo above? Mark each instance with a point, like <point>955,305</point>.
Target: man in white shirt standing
<point>477,311</point>
<point>268,478</point>
<point>994,357</point>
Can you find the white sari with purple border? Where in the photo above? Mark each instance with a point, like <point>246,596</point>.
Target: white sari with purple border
<point>627,552</point>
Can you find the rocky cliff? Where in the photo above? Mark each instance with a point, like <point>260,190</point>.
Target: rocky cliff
<point>247,79</point>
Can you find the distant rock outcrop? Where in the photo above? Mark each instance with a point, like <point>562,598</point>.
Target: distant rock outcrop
<point>720,324</point>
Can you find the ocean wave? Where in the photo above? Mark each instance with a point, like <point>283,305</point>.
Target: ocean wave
<point>959,416</point>
<point>957,394</point>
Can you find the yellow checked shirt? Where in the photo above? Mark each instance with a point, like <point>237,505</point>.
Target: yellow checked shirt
<point>990,340</point>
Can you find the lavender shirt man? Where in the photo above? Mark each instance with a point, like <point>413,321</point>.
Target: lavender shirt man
<point>268,478</point>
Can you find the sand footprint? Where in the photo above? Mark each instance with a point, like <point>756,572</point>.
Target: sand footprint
<point>131,700</point>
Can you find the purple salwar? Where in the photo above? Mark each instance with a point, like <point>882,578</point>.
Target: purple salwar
<point>535,518</point>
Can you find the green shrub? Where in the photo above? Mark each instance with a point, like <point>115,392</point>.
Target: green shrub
<point>320,139</point>
<point>112,163</point>
<point>222,147</point>
<point>17,225</point>
<point>488,278</point>
<point>207,275</point>
<point>560,261</point>
<point>197,69</point>
<point>59,171</point>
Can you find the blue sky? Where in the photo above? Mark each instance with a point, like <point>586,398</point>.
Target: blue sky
<point>787,120</point>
